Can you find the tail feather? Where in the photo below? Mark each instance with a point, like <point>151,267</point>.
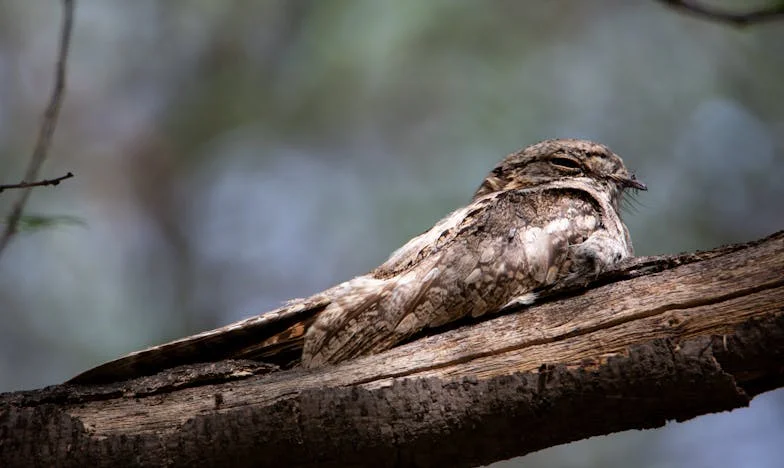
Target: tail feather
<point>249,338</point>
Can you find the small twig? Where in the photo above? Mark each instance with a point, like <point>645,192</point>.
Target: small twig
<point>47,125</point>
<point>40,183</point>
<point>695,8</point>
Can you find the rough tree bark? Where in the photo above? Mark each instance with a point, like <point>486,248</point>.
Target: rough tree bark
<point>666,338</point>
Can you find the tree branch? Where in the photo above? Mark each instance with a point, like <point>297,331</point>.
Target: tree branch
<point>698,9</point>
<point>47,126</point>
<point>40,183</point>
<point>666,338</point>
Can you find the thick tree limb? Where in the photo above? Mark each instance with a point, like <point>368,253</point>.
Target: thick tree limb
<point>666,338</point>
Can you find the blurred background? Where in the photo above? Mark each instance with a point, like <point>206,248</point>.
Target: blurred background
<point>232,155</point>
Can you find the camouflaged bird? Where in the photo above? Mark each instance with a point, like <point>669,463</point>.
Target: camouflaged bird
<point>547,214</point>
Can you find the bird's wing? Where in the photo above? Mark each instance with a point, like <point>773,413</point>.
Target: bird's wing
<point>431,241</point>
<point>248,338</point>
<point>492,252</point>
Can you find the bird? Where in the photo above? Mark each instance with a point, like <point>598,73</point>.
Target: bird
<point>546,215</point>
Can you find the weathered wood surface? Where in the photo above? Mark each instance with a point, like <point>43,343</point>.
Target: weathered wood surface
<point>665,338</point>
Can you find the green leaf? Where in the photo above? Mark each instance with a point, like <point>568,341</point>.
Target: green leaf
<point>31,223</point>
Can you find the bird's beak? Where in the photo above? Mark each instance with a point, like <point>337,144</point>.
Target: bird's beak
<point>632,182</point>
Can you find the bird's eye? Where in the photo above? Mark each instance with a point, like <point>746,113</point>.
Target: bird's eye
<point>566,163</point>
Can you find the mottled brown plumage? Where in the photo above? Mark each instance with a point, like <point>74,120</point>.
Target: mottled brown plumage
<point>546,214</point>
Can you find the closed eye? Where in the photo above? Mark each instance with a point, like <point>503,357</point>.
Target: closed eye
<point>566,163</point>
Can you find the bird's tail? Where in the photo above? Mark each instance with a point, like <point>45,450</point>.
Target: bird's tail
<point>269,334</point>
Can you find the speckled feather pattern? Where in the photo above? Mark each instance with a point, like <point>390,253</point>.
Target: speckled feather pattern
<point>478,259</point>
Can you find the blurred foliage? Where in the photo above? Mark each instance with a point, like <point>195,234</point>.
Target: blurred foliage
<point>30,223</point>
<point>232,155</point>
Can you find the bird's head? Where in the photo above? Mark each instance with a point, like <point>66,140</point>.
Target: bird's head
<point>553,160</point>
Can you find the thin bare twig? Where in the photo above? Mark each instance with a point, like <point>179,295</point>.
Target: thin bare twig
<point>696,8</point>
<point>47,125</point>
<point>40,183</point>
